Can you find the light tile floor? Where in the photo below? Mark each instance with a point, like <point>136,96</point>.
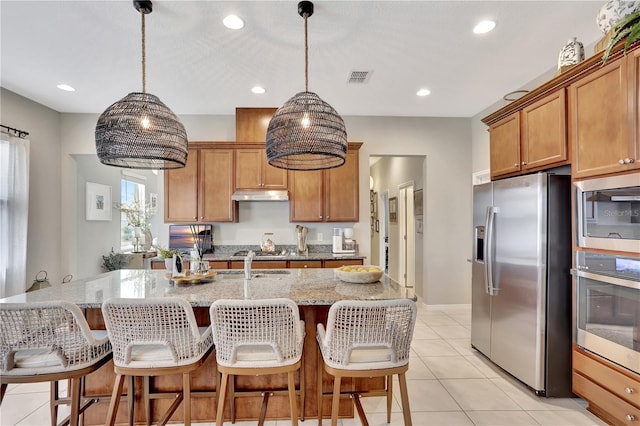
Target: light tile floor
<point>449,384</point>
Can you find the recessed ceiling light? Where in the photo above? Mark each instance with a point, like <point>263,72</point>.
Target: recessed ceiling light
<point>484,27</point>
<point>423,92</point>
<point>233,22</point>
<point>258,90</point>
<point>65,87</point>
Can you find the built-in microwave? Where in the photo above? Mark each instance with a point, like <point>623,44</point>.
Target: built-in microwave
<point>607,307</point>
<point>608,213</point>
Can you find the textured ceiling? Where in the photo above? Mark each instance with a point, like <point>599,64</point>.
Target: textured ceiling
<point>197,66</point>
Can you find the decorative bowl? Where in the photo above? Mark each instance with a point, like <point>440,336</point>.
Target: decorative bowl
<point>359,274</point>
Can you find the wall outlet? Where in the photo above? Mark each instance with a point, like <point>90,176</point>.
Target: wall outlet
<point>320,236</point>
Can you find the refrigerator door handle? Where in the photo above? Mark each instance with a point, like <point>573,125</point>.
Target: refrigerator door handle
<point>488,250</point>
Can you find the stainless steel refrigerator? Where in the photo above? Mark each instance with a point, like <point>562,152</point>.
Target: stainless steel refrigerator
<point>521,282</point>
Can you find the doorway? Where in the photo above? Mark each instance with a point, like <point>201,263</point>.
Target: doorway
<point>396,180</point>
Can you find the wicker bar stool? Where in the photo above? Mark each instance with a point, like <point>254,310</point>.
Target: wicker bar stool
<point>366,339</point>
<point>153,337</point>
<point>47,342</point>
<point>258,337</point>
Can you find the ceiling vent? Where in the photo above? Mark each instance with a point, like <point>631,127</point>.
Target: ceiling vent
<point>359,77</point>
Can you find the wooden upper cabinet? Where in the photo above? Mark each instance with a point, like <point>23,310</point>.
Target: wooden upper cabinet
<point>530,139</point>
<point>181,191</point>
<point>254,172</point>
<point>306,203</point>
<point>252,124</point>
<point>216,186</point>
<point>342,190</point>
<point>632,160</point>
<point>504,145</point>
<point>544,132</point>
<point>601,121</point>
<point>201,191</point>
<point>330,195</point>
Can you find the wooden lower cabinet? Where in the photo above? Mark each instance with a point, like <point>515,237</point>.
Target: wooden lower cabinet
<point>203,407</point>
<point>218,264</point>
<point>613,393</point>
<point>272,264</point>
<point>213,264</point>
<point>298,264</point>
<point>260,264</point>
<point>336,263</point>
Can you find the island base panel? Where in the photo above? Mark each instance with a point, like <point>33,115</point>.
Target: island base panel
<point>203,409</point>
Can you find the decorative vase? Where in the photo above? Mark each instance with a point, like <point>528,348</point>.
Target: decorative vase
<point>613,11</point>
<point>571,54</point>
<point>148,240</point>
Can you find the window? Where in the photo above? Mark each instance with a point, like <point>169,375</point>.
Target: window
<point>132,212</point>
<point>14,205</point>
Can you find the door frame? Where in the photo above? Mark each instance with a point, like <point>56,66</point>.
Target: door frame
<point>406,243</point>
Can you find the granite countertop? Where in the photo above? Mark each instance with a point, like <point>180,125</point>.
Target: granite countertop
<point>304,286</point>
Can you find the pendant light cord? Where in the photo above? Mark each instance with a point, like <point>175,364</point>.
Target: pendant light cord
<point>306,55</point>
<point>144,54</point>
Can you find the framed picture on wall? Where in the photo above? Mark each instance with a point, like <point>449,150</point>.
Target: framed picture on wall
<point>417,202</point>
<point>153,202</point>
<point>98,201</point>
<point>393,209</point>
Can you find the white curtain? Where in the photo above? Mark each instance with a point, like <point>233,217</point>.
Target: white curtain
<point>14,209</point>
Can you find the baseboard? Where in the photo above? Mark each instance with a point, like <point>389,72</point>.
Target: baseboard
<point>447,307</point>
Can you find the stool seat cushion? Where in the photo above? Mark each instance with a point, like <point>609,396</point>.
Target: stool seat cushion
<point>36,358</point>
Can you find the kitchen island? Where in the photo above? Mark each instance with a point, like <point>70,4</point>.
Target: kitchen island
<point>314,290</point>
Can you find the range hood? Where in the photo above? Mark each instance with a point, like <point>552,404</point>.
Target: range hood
<point>260,195</point>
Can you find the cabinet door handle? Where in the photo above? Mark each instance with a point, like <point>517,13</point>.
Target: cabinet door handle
<point>630,417</point>
<point>628,390</point>
<point>524,163</point>
<point>516,165</point>
<point>628,160</point>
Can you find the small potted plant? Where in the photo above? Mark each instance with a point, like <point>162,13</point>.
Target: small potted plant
<point>167,255</point>
<point>114,261</point>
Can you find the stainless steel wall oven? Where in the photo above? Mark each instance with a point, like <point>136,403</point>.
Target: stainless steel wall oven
<point>607,292</point>
<point>608,213</point>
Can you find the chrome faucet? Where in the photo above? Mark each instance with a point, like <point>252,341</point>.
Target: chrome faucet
<point>247,264</point>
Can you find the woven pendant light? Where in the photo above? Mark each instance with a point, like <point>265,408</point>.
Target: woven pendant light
<point>306,133</point>
<point>139,131</point>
